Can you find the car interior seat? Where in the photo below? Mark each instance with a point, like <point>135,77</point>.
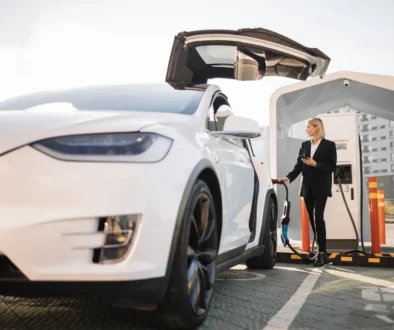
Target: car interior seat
<point>223,112</point>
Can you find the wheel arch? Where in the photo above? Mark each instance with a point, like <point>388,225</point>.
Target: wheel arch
<point>208,175</point>
<point>270,195</point>
<point>203,170</point>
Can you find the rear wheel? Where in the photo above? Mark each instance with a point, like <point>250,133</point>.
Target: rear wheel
<point>268,258</point>
<point>193,274</point>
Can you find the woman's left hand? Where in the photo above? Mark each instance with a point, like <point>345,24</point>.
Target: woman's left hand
<point>309,161</point>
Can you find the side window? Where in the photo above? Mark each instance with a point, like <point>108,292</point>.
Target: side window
<point>218,113</point>
<point>216,117</point>
<point>211,120</point>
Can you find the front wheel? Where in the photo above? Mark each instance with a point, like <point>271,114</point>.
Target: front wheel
<point>193,273</point>
<point>270,241</point>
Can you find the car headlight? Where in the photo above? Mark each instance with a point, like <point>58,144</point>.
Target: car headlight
<point>111,147</point>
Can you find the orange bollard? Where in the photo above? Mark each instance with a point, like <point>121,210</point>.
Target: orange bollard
<point>373,209</point>
<point>382,217</point>
<point>304,227</point>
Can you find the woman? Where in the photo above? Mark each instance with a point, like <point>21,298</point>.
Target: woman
<point>317,161</point>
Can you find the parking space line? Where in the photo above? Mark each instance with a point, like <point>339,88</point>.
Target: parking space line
<point>286,315</point>
<point>385,318</point>
<point>362,278</point>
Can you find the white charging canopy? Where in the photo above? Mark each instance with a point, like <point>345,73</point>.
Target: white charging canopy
<point>369,93</point>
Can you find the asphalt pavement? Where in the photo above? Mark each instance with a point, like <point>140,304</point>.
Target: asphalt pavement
<point>286,297</point>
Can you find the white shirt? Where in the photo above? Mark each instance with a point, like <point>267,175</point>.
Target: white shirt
<point>314,147</point>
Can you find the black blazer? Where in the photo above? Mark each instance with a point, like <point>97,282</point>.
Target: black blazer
<point>319,178</point>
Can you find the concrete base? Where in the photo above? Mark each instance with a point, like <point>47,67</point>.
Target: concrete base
<point>335,245</point>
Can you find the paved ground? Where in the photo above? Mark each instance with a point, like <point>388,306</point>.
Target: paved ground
<point>287,297</point>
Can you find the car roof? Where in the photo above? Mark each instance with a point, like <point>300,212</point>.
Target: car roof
<point>132,86</point>
<point>113,88</point>
<point>87,97</point>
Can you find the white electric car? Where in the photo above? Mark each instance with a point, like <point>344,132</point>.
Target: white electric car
<point>142,193</point>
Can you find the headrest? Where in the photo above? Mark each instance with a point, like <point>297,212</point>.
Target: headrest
<point>224,111</point>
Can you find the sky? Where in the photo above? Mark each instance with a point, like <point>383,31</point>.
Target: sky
<point>50,44</point>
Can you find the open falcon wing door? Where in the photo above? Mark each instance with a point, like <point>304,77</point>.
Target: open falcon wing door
<point>246,54</point>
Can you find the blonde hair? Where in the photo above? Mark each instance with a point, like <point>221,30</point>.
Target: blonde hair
<point>317,122</point>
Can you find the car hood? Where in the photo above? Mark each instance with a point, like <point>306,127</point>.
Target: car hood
<point>18,128</point>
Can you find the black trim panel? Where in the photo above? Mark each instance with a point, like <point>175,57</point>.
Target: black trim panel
<point>248,254</point>
<point>148,291</point>
<point>270,192</point>
<point>256,191</point>
<point>231,254</point>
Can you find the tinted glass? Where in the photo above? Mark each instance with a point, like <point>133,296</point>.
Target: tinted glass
<point>152,98</point>
<point>217,54</point>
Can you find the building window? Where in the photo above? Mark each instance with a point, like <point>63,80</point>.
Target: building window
<point>365,128</point>
<point>379,138</point>
<point>380,171</point>
<point>381,160</point>
<point>379,149</point>
<point>391,123</point>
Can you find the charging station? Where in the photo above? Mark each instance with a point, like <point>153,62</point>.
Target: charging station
<point>342,128</point>
<point>294,104</point>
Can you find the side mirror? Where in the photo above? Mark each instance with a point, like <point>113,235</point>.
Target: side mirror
<point>240,127</point>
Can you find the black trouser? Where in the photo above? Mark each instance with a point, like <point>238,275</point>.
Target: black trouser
<point>317,204</point>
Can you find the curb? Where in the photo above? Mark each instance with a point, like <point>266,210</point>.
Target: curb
<point>385,260</point>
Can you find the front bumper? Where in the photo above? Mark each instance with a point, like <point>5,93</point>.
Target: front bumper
<point>139,292</point>
<point>44,202</point>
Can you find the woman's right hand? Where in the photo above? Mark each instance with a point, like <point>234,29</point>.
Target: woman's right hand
<point>285,179</point>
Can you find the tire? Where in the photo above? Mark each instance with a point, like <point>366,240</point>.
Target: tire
<point>270,241</point>
<point>195,259</point>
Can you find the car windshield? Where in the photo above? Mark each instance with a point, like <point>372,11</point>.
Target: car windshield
<point>150,98</point>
